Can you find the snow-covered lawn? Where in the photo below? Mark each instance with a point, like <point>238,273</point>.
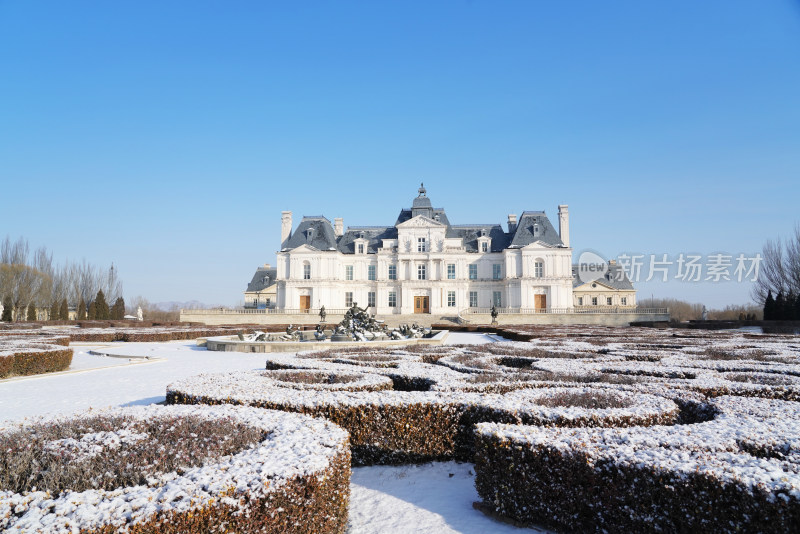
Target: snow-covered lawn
<point>404,499</point>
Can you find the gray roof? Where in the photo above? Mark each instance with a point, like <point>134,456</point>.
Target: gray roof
<point>470,233</point>
<point>263,278</point>
<point>615,277</point>
<point>318,233</point>
<point>534,226</point>
<point>315,231</point>
<point>374,234</point>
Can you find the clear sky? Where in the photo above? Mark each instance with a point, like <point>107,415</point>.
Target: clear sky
<point>168,136</point>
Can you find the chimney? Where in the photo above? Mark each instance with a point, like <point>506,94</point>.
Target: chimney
<point>512,223</point>
<point>563,224</point>
<point>286,227</point>
<point>338,227</point>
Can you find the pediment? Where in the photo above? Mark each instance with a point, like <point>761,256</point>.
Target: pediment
<point>421,221</point>
<point>304,248</point>
<point>588,286</point>
<point>538,245</point>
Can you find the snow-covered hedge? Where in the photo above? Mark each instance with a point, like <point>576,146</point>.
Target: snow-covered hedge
<point>402,426</point>
<point>737,473</point>
<point>33,355</point>
<point>295,478</point>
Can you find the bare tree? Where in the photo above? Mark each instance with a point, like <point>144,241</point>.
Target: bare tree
<point>780,268</point>
<point>27,279</point>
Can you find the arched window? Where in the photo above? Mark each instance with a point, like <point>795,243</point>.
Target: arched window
<point>538,268</point>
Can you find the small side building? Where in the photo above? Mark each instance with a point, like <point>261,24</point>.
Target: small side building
<point>612,290</point>
<point>261,292</point>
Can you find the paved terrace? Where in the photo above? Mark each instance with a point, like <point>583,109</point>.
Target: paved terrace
<point>595,315</point>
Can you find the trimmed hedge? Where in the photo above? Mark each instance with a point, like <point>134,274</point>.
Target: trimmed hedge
<point>738,473</point>
<point>22,356</point>
<point>389,427</point>
<point>297,480</point>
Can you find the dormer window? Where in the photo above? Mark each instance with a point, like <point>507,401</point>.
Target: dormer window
<point>309,235</point>
<point>436,217</point>
<point>360,245</point>
<point>535,229</point>
<point>361,248</point>
<point>484,247</point>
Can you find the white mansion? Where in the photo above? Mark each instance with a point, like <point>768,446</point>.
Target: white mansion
<point>424,264</point>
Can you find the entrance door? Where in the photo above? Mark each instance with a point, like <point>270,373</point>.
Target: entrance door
<point>421,305</point>
<point>540,302</point>
<point>305,303</point>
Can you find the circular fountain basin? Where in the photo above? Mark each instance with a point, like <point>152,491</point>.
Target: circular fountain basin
<point>234,344</point>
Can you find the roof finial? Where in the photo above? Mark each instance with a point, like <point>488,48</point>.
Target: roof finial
<point>422,190</point>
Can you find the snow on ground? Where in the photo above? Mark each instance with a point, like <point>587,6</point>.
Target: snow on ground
<point>435,497</point>
<point>122,384</point>
<point>413,498</point>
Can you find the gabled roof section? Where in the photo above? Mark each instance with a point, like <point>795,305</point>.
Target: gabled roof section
<point>263,278</point>
<point>526,232</point>
<point>615,278</point>
<point>315,231</point>
<point>373,234</point>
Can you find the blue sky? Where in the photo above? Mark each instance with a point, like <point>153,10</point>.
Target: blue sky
<point>168,137</point>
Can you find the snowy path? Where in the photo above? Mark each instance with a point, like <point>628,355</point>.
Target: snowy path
<point>384,499</point>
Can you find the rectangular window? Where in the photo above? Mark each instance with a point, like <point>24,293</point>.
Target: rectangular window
<point>580,301</point>
<point>608,301</point>
<point>392,299</point>
<point>361,248</point>
<point>473,272</point>
<point>497,299</point>
<point>594,301</point>
<point>348,299</point>
<point>473,299</point>
<point>451,271</point>
<point>370,272</point>
<point>538,269</point>
<point>307,271</point>
<point>484,247</point>
<point>348,272</point>
<point>451,299</point>
<point>421,272</point>
<point>497,271</point>
<point>421,244</point>
<point>393,272</point>
<point>624,301</point>
<point>371,299</point>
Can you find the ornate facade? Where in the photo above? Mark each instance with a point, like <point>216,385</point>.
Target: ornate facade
<point>424,264</point>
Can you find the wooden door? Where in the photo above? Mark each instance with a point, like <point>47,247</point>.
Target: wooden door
<point>540,302</point>
<point>421,305</point>
<point>305,303</point>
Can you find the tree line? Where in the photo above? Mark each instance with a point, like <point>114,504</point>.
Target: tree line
<point>778,284</point>
<point>32,280</point>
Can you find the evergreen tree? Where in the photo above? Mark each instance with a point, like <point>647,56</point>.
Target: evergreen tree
<point>780,307</point>
<point>81,310</point>
<point>54,311</point>
<point>92,315</point>
<point>118,310</point>
<point>791,307</point>
<point>6,310</point>
<point>63,311</point>
<point>769,307</point>
<point>31,312</point>
<point>101,306</point>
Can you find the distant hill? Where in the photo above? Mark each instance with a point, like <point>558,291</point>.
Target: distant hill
<point>189,304</point>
